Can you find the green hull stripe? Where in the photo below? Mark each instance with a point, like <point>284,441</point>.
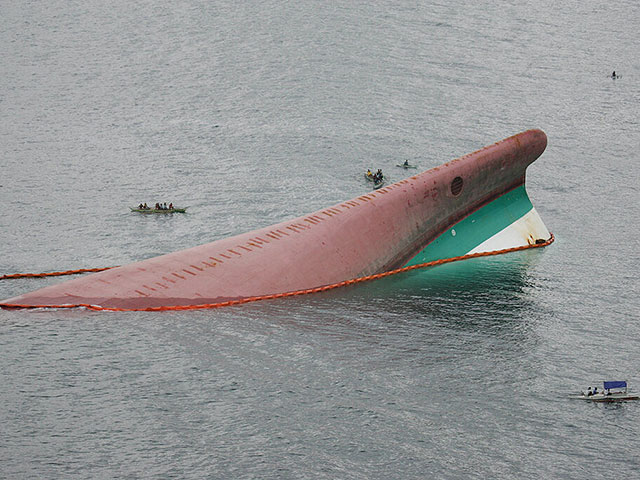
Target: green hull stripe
<point>477,227</point>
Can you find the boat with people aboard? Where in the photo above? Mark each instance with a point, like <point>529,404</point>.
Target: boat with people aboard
<point>406,164</point>
<point>612,391</point>
<point>159,208</point>
<point>377,178</point>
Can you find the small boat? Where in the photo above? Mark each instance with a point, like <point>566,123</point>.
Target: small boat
<point>615,391</point>
<point>377,182</point>
<point>161,210</point>
<point>405,165</point>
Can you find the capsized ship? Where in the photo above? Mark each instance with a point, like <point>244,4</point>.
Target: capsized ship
<point>475,203</point>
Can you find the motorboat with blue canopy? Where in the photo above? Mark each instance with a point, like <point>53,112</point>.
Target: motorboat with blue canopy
<point>611,391</point>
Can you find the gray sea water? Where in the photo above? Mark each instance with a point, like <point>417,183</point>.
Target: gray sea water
<point>254,112</point>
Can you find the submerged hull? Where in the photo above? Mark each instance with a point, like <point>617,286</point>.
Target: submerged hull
<point>472,204</point>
